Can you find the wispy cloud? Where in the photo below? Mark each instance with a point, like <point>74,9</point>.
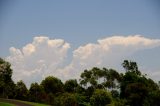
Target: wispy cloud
<point>45,56</point>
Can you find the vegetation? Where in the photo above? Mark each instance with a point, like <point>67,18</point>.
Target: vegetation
<point>100,98</point>
<point>31,103</point>
<point>6,104</point>
<point>96,87</point>
<point>13,102</point>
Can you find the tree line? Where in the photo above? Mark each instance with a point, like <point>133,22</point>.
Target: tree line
<point>96,87</point>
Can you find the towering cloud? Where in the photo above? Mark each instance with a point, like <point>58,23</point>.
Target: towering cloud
<point>38,59</point>
<point>108,52</point>
<point>45,57</point>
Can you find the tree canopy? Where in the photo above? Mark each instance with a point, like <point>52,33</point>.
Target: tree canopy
<point>96,87</point>
<point>6,82</point>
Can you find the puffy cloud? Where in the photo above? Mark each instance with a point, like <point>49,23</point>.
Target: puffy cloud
<point>46,56</point>
<point>107,52</point>
<point>38,59</point>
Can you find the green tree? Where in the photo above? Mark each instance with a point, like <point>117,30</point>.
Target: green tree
<point>21,91</point>
<point>66,99</point>
<point>115,94</point>
<point>85,78</point>
<point>131,66</point>
<point>130,76</point>
<point>70,85</point>
<point>112,79</point>
<point>136,93</point>
<point>52,85</point>
<point>6,82</point>
<point>101,98</point>
<point>136,88</point>
<point>153,98</point>
<point>36,91</point>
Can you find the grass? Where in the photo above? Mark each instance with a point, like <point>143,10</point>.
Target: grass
<point>12,102</point>
<point>6,104</point>
<point>32,103</point>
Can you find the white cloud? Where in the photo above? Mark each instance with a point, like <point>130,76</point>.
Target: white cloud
<point>45,56</point>
<point>107,52</point>
<point>38,59</point>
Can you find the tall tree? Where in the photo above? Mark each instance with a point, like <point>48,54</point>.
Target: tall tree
<point>21,91</point>
<point>6,82</point>
<point>112,79</point>
<point>36,92</point>
<point>100,78</point>
<point>136,88</point>
<point>70,85</point>
<point>66,99</point>
<point>52,85</point>
<point>131,66</point>
<point>101,98</point>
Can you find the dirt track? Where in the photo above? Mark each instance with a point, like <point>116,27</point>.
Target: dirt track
<point>17,103</point>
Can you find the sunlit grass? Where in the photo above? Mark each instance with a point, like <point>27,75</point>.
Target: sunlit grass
<point>32,103</point>
<point>12,102</point>
<point>6,104</point>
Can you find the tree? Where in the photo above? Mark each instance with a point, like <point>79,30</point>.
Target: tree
<point>66,99</point>
<point>85,78</point>
<point>36,91</point>
<point>131,66</point>
<point>98,87</point>
<point>115,94</point>
<point>132,75</point>
<point>52,85</point>
<point>136,88</point>
<point>154,98</point>
<point>112,79</point>
<point>100,98</point>
<point>70,85</point>
<point>21,91</point>
<point>136,93</point>
<point>6,82</point>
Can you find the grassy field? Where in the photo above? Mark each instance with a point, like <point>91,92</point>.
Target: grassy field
<point>32,103</point>
<point>12,102</point>
<point>6,104</point>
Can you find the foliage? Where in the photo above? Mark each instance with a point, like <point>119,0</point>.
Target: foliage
<point>52,85</point>
<point>6,82</point>
<point>115,94</point>
<point>100,78</point>
<point>100,98</point>
<point>119,102</point>
<point>131,66</point>
<point>36,92</point>
<point>96,87</point>
<point>70,85</point>
<point>135,87</point>
<point>6,104</point>
<point>66,99</point>
<point>21,91</point>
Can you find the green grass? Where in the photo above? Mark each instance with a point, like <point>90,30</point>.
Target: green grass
<point>6,104</point>
<point>11,102</point>
<point>32,103</point>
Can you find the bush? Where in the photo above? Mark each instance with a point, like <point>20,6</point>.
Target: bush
<point>66,99</point>
<point>100,98</point>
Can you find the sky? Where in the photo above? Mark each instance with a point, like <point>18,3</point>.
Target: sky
<point>62,38</point>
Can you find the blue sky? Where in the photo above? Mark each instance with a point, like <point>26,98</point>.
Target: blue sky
<point>80,23</point>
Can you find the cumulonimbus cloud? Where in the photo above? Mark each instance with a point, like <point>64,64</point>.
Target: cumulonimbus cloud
<point>108,52</point>
<point>38,59</point>
<point>45,56</point>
